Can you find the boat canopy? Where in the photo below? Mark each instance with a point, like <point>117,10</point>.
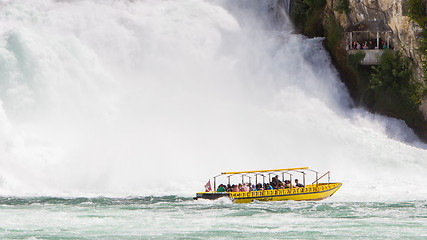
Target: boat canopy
<point>264,173</point>
<point>261,171</point>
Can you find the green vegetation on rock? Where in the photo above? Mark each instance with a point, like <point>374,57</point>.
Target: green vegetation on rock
<point>418,13</point>
<point>425,72</point>
<point>342,6</point>
<point>394,77</point>
<point>354,60</point>
<point>307,16</point>
<point>334,33</point>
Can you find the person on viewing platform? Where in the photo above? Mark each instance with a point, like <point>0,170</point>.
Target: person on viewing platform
<point>298,184</point>
<point>235,188</point>
<point>365,46</point>
<point>358,46</point>
<point>221,188</point>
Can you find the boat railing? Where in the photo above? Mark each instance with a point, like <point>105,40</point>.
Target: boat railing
<point>267,193</point>
<point>309,188</point>
<point>317,180</point>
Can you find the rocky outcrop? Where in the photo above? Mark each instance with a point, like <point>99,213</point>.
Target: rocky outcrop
<point>405,34</point>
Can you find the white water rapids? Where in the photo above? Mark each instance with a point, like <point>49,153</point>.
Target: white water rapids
<point>154,97</point>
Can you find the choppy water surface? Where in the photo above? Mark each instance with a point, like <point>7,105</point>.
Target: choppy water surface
<point>173,217</point>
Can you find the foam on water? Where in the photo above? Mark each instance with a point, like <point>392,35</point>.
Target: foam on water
<point>123,98</point>
<point>173,217</point>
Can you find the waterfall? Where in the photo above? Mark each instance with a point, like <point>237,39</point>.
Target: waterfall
<point>155,97</point>
<point>286,4</point>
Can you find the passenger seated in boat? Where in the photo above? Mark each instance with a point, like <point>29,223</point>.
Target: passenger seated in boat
<point>275,182</point>
<point>244,188</point>
<point>298,184</point>
<point>265,186</point>
<point>229,188</point>
<point>253,188</point>
<point>278,181</point>
<point>259,187</point>
<point>281,186</point>
<point>221,188</point>
<point>269,187</point>
<point>235,188</point>
<point>287,184</point>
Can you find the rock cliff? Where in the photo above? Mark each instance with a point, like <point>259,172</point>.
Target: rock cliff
<point>405,35</point>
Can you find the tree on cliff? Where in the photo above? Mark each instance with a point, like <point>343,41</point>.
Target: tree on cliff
<point>394,78</point>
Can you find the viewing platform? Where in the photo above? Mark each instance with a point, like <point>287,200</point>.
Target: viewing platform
<point>371,38</point>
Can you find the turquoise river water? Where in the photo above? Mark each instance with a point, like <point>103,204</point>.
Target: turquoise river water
<point>173,217</point>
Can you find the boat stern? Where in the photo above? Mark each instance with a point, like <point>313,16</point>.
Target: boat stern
<point>210,195</point>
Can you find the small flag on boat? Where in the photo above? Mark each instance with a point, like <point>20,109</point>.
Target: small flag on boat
<point>208,186</point>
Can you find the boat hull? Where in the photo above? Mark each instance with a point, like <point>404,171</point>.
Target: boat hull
<point>308,193</point>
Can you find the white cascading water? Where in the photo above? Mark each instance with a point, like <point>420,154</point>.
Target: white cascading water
<point>121,98</point>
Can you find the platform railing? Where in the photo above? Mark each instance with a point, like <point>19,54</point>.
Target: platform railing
<point>372,56</point>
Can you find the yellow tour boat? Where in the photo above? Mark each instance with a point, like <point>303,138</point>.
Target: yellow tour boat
<point>282,192</point>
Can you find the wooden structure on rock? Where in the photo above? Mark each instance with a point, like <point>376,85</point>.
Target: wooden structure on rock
<point>368,31</point>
